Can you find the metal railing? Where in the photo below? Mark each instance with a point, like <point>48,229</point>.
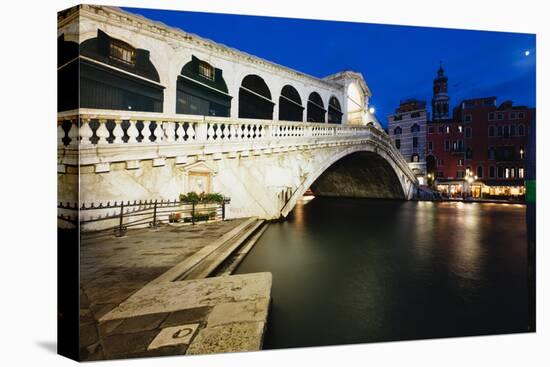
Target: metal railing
<point>149,213</point>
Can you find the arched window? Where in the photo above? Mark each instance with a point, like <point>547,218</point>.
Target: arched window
<point>468,153</point>
<point>334,111</point>
<point>491,131</point>
<point>255,99</point>
<point>290,104</point>
<point>521,130</point>
<point>315,108</point>
<point>414,158</point>
<point>107,78</point>
<point>480,172</point>
<point>397,130</point>
<point>201,90</point>
<point>398,143</point>
<point>415,128</point>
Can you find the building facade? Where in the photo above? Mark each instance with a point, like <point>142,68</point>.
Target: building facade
<point>150,67</point>
<point>480,150</point>
<point>495,145</point>
<point>407,129</point>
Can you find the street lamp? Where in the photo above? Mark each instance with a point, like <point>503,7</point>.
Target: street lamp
<point>469,178</point>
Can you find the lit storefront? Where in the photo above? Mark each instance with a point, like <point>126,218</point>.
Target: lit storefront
<point>451,188</point>
<point>500,189</point>
<point>482,189</point>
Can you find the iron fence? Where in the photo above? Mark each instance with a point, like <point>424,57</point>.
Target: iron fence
<point>142,213</point>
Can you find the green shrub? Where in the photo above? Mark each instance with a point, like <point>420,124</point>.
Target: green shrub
<point>200,217</point>
<point>193,197</point>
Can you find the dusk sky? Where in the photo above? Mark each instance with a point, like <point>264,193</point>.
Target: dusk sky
<point>398,62</point>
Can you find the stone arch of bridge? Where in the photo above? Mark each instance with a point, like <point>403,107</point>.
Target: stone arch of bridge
<point>369,172</point>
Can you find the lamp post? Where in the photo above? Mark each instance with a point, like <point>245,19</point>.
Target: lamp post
<point>469,179</point>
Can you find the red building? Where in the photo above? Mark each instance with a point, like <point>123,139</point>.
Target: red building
<point>480,150</point>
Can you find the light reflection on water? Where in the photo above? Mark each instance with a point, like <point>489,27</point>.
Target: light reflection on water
<point>347,271</point>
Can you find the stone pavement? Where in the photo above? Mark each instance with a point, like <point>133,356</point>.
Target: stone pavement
<point>114,268</point>
<point>212,315</point>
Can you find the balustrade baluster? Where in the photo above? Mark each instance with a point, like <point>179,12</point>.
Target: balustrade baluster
<point>102,132</point>
<point>240,132</point>
<point>169,131</point>
<point>132,132</point>
<point>118,133</point>
<point>233,131</point>
<point>210,132</point>
<point>73,133</point>
<point>60,134</point>
<point>158,133</point>
<point>146,132</point>
<point>225,132</point>
<point>85,132</point>
<point>180,132</point>
<point>191,132</point>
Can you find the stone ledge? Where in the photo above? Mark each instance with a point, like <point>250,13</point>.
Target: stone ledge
<point>181,295</point>
<point>237,337</point>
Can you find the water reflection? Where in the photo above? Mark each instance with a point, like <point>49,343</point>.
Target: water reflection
<point>347,271</point>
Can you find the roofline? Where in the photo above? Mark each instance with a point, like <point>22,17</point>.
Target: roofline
<point>177,33</point>
<point>353,75</point>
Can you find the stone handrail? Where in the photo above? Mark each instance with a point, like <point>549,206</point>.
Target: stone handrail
<point>110,128</point>
<point>94,136</point>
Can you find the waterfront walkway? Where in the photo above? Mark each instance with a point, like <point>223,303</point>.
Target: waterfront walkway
<point>131,305</point>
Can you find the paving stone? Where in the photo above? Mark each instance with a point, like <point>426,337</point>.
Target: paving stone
<point>187,316</point>
<point>92,352</point>
<point>237,337</point>
<point>101,309</point>
<point>111,294</point>
<point>175,296</point>
<point>88,334</point>
<point>174,335</point>
<point>106,328</point>
<point>140,323</point>
<point>122,345</point>
<point>86,316</point>
<point>226,313</point>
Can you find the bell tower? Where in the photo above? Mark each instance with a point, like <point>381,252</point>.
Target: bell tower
<point>440,99</point>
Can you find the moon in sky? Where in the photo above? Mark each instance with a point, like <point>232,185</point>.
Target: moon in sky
<point>527,53</point>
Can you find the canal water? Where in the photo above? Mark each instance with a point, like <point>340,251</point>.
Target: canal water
<point>355,271</point>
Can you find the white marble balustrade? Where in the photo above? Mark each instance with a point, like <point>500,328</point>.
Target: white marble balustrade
<point>117,136</point>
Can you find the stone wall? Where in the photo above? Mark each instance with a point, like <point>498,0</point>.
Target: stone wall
<point>266,186</point>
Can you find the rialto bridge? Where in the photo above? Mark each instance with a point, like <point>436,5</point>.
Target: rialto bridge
<point>147,111</point>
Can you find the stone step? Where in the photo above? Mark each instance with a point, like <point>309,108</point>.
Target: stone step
<point>242,251</point>
<point>209,264</point>
<point>191,262</point>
